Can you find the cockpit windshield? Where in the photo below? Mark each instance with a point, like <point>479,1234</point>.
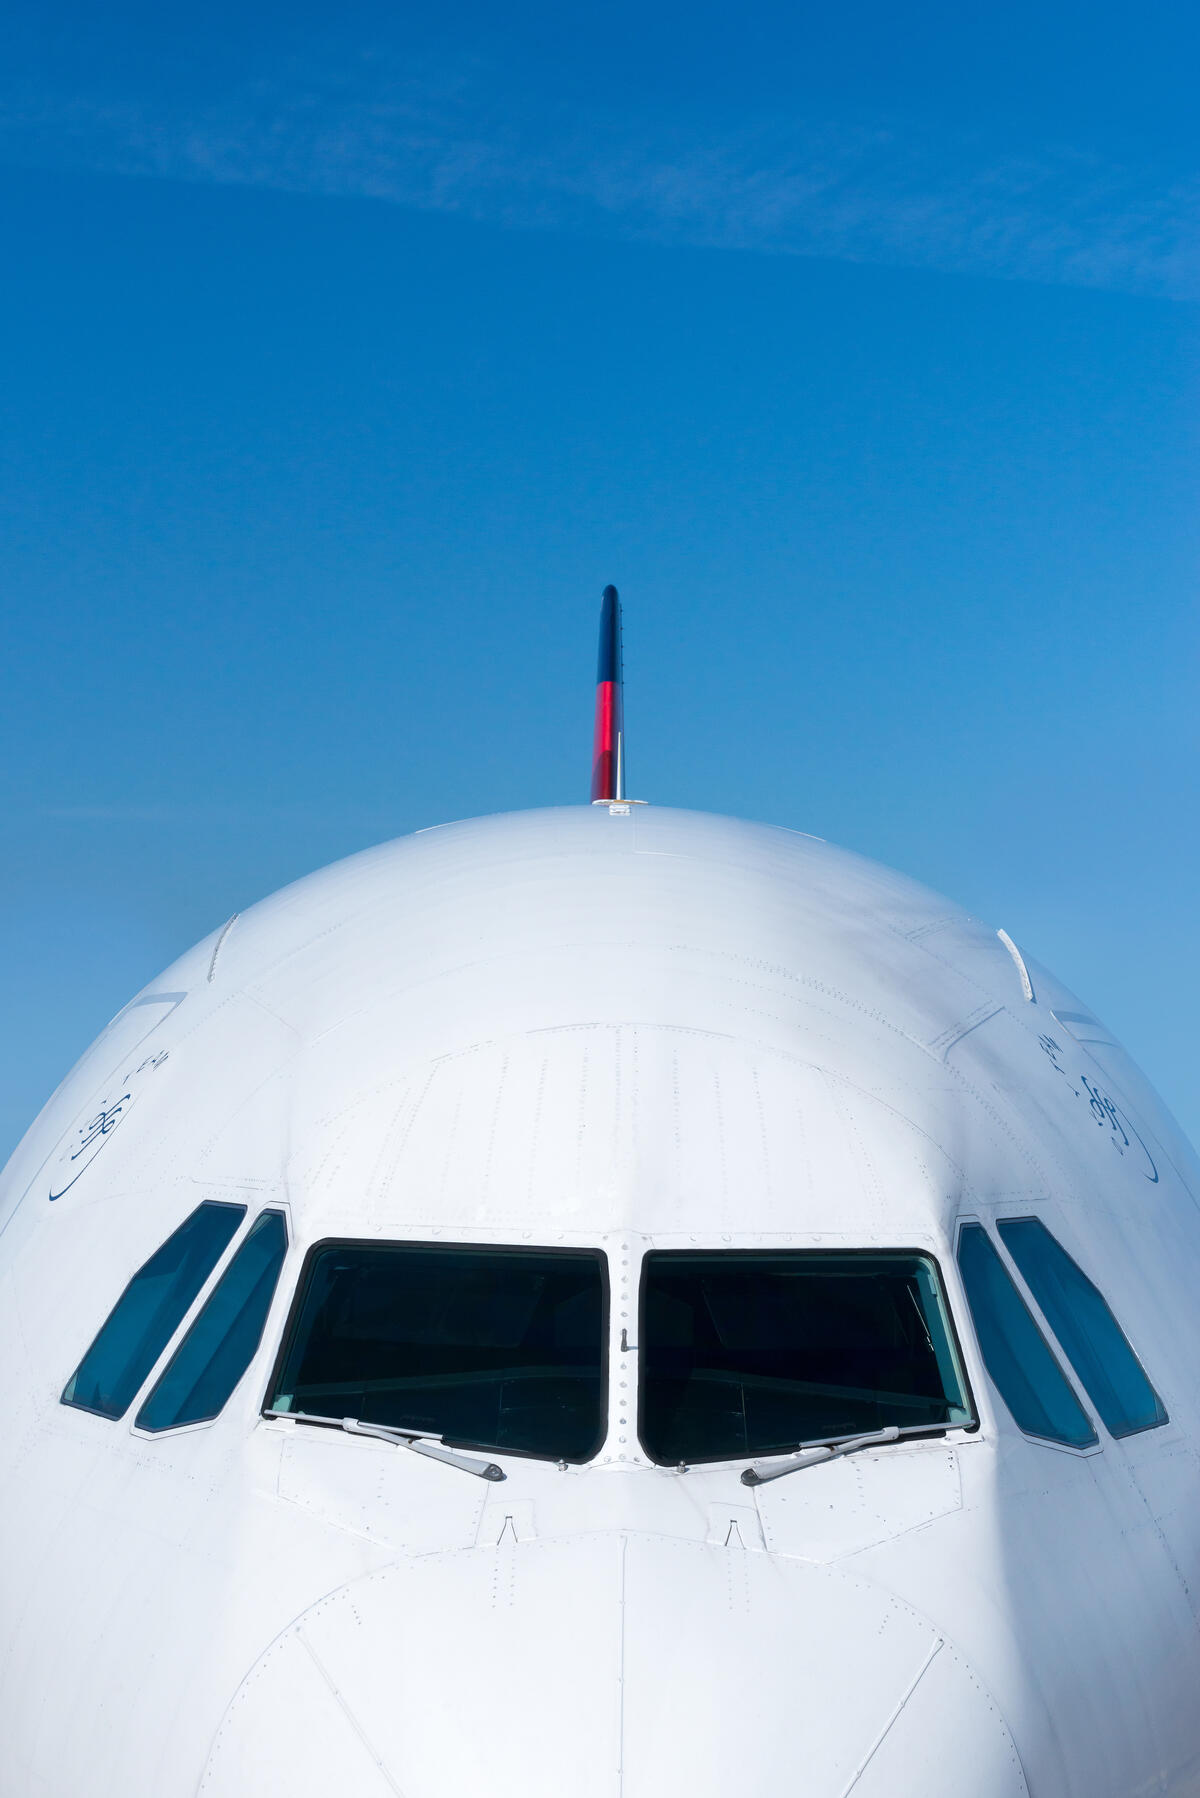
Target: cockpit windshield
<point>497,1348</point>
<point>746,1353</point>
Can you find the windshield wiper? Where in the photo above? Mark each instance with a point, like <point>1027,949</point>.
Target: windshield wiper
<point>811,1454</point>
<point>422,1442</point>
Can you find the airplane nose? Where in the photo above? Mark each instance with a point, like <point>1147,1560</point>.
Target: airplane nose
<point>628,1664</point>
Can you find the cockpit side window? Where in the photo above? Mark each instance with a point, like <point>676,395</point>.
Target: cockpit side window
<point>150,1310</point>
<point>485,1347</point>
<point>220,1345</point>
<point>1015,1352</point>
<point>748,1352</point>
<point>1087,1332</point>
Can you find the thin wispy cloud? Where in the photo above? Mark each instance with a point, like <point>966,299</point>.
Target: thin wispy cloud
<point>416,134</point>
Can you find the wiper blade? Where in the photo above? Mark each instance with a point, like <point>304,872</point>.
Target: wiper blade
<point>421,1442</point>
<point>811,1454</point>
<point>424,1442</point>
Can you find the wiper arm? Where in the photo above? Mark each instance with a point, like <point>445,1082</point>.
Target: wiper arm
<point>811,1454</point>
<point>422,1442</point>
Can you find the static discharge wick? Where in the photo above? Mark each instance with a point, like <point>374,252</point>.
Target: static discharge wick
<point>608,743</point>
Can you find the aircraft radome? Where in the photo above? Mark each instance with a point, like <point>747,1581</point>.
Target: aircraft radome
<point>603,1301</point>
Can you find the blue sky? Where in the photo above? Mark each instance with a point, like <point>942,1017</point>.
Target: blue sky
<point>347,355</point>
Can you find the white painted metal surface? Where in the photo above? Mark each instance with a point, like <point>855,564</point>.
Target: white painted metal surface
<point>622,1030</point>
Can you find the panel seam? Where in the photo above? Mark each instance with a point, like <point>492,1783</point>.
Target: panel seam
<point>890,1722</point>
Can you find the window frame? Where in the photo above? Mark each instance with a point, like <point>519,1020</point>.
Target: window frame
<point>252,1216</point>
<point>303,1283</point>
<point>176,1345</point>
<point>991,1389</point>
<point>792,1250</point>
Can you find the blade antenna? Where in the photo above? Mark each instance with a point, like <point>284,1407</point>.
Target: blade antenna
<point>608,742</point>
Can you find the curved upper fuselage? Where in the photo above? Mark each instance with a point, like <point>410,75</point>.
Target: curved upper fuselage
<point>626,1031</point>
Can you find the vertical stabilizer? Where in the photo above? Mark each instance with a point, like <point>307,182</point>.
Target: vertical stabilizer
<point>608,743</point>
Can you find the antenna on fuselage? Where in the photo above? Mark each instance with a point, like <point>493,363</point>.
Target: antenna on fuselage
<point>608,742</point>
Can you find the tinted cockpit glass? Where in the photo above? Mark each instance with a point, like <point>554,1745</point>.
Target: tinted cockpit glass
<point>487,1347</point>
<point>1015,1352</point>
<point>1078,1314</point>
<point>221,1343</point>
<point>752,1354</point>
<point>150,1310</point>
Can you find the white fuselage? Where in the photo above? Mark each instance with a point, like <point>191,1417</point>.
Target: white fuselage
<point>628,1030</point>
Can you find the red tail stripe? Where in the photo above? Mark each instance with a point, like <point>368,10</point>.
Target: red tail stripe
<point>604,742</point>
